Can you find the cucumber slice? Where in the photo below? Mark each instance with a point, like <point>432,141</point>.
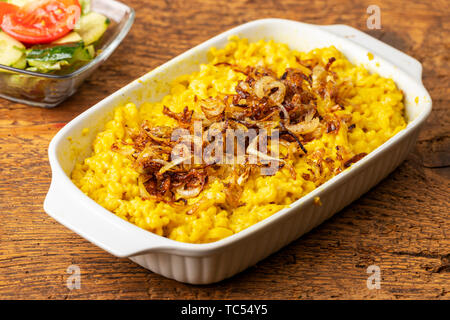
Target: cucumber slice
<point>91,51</point>
<point>92,26</point>
<point>21,63</point>
<point>54,58</point>
<point>71,37</point>
<point>11,50</point>
<point>46,66</point>
<point>53,53</point>
<point>85,6</point>
<point>82,54</point>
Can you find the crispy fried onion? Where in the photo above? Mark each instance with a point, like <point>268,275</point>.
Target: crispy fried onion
<point>269,87</point>
<point>262,101</point>
<point>212,108</point>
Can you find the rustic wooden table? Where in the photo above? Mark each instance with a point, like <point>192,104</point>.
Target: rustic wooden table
<point>402,225</point>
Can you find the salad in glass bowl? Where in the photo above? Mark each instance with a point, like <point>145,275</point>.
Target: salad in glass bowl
<point>49,36</point>
<point>49,47</point>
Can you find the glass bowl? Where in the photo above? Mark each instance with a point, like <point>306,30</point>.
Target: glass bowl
<point>49,90</point>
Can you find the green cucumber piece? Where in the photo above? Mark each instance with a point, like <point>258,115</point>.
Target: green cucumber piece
<point>85,6</point>
<point>53,58</point>
<point>21,63</point>
<point>92,26</point>
<point>46,66</point>
<point>53,53</point>
<point>82,54</point>
<point>91,50</point>
<point>11,50</point>
<point>71,37</point>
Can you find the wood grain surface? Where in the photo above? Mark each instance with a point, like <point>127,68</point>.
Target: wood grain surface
<point>402,225</point>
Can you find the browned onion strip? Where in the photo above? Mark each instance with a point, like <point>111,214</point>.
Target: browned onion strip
<point>189,193</point>
<point>295,137</point>
<point>252,150</point>
<point>264,86</point>
<point>354,159</point>
<point>304,127</point>
<point>212,108</point>
<point>173,164</point>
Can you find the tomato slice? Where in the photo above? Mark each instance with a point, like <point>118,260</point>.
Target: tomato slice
<point>7,8</point>
<point>42,21</point>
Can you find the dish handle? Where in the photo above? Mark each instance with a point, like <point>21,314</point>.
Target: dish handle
<point>408,64</point>
<point>82,215</point>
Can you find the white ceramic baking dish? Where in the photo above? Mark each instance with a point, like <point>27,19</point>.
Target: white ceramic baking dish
<point>208,263</point>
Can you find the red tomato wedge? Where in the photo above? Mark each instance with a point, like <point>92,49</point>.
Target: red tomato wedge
<point>42,21</point>
<point>7,8</point>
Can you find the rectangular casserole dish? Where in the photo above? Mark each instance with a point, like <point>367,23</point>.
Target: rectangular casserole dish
<point>213,262</point>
